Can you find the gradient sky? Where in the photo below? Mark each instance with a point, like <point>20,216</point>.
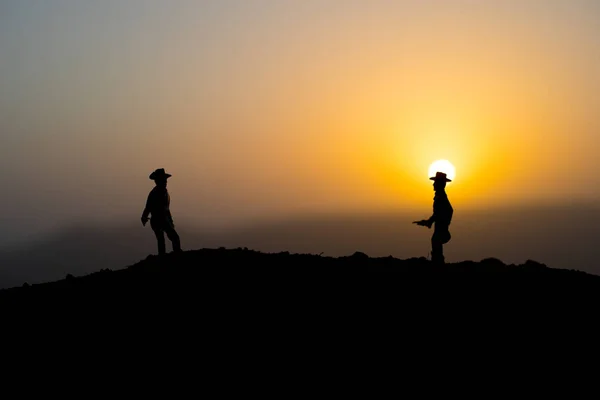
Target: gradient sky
<point>277,107</point>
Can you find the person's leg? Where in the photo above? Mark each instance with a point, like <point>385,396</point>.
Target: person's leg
<point>437,249</point>
<point>173,237</point>
<point>160,239</point>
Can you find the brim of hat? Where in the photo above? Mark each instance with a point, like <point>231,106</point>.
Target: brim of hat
<point>153,177</point>
<point>433,178</point>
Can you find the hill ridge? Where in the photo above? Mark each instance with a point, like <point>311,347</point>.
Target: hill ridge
<point>233,292</point>
<point>211,260</point>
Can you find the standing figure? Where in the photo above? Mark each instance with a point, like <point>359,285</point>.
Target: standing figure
<point>157,206</point>
<point>442,216</point>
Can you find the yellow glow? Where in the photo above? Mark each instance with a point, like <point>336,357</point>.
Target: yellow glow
<point>444,166</point>
<point>333,112</point>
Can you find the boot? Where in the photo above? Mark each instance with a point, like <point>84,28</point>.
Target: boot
<point>437,258</point>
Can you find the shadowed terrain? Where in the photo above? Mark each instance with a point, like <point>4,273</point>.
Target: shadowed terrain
<point>282,280</point>
<point>250,310</point>
<point>559,236</point>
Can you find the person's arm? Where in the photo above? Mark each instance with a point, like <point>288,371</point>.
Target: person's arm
<point>434,216</point>
<point>430,221</point>
<point>169,216</point>
<point>425,222</point>
<point>146,211</point>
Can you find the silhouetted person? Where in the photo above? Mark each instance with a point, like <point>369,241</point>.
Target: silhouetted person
<point>442,216</point>
<point>157,206</point>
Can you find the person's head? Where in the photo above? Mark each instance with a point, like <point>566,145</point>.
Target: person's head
<point>439,181</point>
<point>439,185</point>
<point>162,182</point>
<point>160,177</point>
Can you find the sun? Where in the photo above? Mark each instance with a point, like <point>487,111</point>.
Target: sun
<point>444,166</point>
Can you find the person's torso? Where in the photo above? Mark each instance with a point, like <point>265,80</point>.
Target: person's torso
<point>442,209</point>
<point>159,202</point>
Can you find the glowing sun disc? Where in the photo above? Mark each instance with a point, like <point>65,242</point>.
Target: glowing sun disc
<point>444,166</point>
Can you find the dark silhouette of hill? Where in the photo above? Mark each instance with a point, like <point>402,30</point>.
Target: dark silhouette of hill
<point>559,236</point>
<point>246,278</point>
<point>281,312</point>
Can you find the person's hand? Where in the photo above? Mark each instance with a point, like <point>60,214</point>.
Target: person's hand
<point>144,220</point>
<point>423,222</point>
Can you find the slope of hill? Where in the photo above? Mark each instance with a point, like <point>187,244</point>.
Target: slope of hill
<point>241,277</point>
<point>280,312</point>
<point>248,318</point>
<point>560,236</point>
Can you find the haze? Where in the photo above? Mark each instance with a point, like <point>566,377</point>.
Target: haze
<point>273,109</point>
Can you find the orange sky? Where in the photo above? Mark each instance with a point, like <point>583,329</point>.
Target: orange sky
<point>275,107</point>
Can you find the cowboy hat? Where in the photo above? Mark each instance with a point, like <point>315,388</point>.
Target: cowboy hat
<point>159,173</point>
<point>440,176</point>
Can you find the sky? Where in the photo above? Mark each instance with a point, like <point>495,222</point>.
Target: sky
<point>265,108</point>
